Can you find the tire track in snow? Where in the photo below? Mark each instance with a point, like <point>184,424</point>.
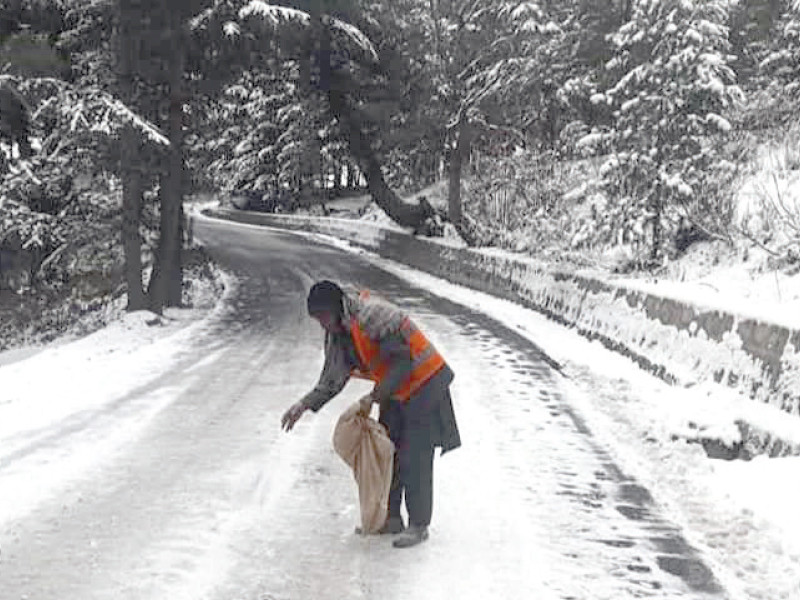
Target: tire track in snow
<point>602,521</point>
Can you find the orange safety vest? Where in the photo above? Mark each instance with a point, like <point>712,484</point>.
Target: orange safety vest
<point>426,360</point>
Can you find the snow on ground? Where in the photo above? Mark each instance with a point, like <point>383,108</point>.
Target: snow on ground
<point>713,275</point>
<point>67,381</point>
<point>377,216</point>
<point>742,513</point>
<point>739,279</point>
<point>735,280</point>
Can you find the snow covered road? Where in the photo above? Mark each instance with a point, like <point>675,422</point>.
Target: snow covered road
<point>173,479</point>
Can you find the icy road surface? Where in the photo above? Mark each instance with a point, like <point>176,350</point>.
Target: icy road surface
<point>183,486</point>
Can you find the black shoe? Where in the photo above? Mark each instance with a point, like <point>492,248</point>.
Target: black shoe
<point>415,534</point>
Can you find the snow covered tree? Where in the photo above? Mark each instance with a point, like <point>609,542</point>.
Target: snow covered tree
<point>344,62</point>
<point>478,53</point>
<point>63,195</point>
<point>669,101</point>
<point>753,25</point>
<point>570,69</point>
<point>297,146</point>
<point>781,63</point>
<point>68,175</point>
<point>233,140</point>
<point>152,45</point>
<point>156,52</point>
<point>256,136</point>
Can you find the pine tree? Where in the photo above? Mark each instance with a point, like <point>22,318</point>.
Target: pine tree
<point>752,30</point>
<point>781,63</point>
<point>297,156</point>
<point>155,50</point>
<point>345,65</point>
<point>480,51</point>
<point>674,85</point>
<point>233,142</point>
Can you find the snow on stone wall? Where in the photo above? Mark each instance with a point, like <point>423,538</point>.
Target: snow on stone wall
<point>680,342</point>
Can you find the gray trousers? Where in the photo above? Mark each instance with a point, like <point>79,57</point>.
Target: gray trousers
<point>413,427</point>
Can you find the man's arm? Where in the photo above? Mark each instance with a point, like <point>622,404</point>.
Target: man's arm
<point>334,376</point>
<point>396,353</point>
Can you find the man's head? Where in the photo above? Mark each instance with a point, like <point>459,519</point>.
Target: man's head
<point>325,304</point>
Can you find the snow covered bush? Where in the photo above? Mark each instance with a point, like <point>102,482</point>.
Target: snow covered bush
<point>507,190</point>
<point>27,238</point>
<point>203,282</point>
<point>532,201</point>
<point>767,209</point>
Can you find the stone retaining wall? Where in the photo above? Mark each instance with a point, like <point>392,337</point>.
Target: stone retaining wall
<point>680,342</point>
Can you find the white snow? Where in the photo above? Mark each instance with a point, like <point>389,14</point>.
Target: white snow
<point>65,383</point>
<point>648,423</point>
<point>712,276</point>
<point>376,216</point>
<point>742,514</point>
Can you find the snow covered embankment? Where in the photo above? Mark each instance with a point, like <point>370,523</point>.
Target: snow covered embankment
<point>683,343</point>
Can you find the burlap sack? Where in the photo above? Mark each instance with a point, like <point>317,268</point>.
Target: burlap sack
<point>363,444</point>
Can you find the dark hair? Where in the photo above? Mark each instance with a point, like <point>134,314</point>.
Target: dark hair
<point>325,296</point>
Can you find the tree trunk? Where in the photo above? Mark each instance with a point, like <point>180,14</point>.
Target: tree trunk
<point>130,169</point>
<point>658,234</point>
<point>403,213</point>
<point>352,177</point>
<point>337,169</point>
<point>459,156</point>
<point>131,219</point>
<point>312,73</point>
<point>167,278</point>
<point>627,11</point>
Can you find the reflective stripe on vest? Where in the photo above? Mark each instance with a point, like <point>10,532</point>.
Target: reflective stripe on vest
<point>426,361</point>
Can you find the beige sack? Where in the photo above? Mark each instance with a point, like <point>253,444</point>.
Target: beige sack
<point>363,444</point>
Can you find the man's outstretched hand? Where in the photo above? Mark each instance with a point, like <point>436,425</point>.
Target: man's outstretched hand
<point>291,416</point>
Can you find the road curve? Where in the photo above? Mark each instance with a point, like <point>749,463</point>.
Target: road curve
<point>211,500</point>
